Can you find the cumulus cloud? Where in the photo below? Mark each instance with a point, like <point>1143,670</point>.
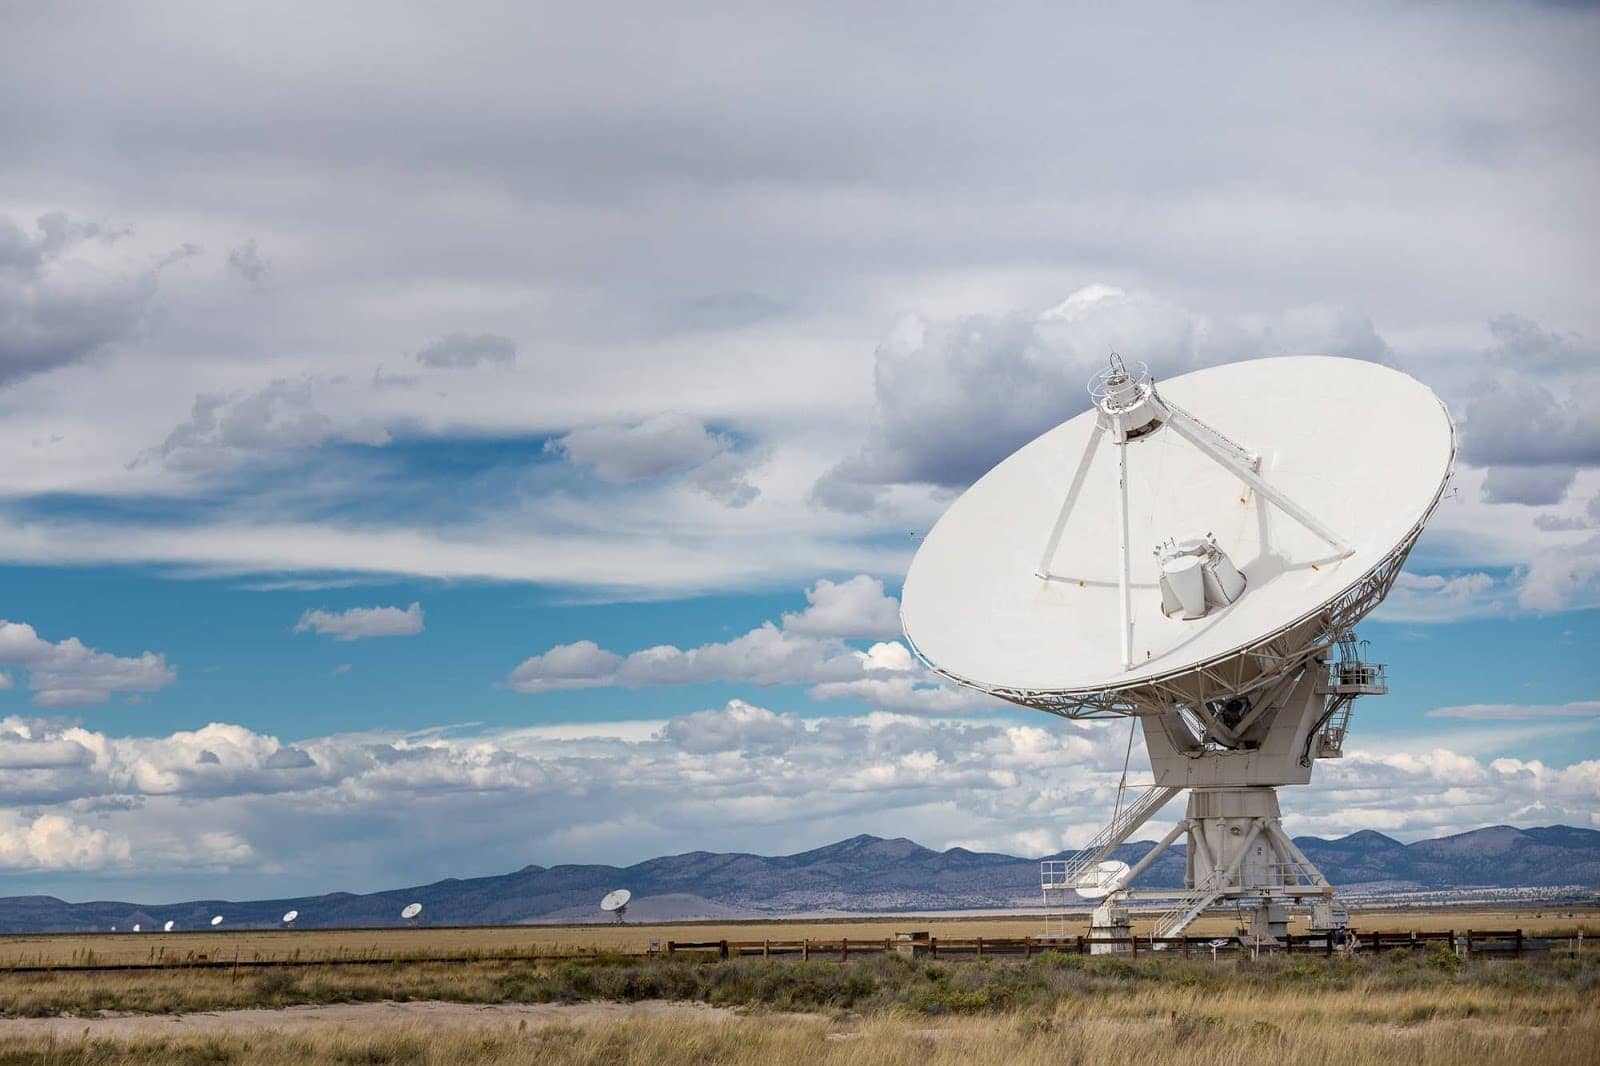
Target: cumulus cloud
<point>68,673</point>
<point>225,429</point>
<point>371,809</point>
<point>1517,712</point>
<point>468,350</point>
<point>954,397</point>
<point>807,647</point>
<point>359,623</point>
<point>857,607</point>
<point>1443,598</point>
<point>56,842</point>
<point>1560,578</point>
<point>624,453</point>
<point>57,307</point>
<point>581,664</point>
<point>766,655</point>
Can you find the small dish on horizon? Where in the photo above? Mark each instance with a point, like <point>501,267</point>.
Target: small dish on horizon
<point>616,902</point>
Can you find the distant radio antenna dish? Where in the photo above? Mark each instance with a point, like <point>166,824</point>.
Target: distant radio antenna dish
<point>410,912</point>
<point>135,927</point>
<point>288,918</point>
<point>1276,524</point>
<point>216,919</point>
<point>167,928</point>
<point>616,902</point>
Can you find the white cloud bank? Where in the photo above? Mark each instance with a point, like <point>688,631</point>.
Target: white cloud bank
<point>359,623</point>
<point>807,647</point>
<point>363,810</point>
<point>68,673</point>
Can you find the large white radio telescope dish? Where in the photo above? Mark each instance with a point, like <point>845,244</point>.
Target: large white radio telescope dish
<point>411,910</point>
<point>1360,449</point>
<point>1194,554</point>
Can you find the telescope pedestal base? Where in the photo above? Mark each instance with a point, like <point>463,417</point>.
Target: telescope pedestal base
<point>1238,854</point>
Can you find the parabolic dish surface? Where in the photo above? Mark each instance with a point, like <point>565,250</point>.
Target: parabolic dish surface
<point>1362,447</point>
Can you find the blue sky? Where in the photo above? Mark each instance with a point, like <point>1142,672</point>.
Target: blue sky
<point>372,415</point>
<point>233,644</point>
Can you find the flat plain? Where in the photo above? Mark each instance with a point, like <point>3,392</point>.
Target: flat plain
<point>307,944</point>
<point>1424,1007</point>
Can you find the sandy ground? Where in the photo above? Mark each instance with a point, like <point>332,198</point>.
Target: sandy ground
<point>417,1015</point>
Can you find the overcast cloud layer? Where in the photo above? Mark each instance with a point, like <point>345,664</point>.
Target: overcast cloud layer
<point>737,299</point>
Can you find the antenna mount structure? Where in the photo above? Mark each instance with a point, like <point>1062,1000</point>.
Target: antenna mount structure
<point>1275,525</point>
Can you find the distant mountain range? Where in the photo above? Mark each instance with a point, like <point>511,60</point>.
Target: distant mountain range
<point>863,874</point>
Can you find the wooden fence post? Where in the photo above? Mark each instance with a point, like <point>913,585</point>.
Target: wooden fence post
<point>766,948</point>
<point>933,947</point>
<point>1080,945</point>
<point>805,949</point>
<point>844,948</point>
<point>1186,947</point>
<point>1519,944</point>
<point>1027,948</point>
<point>722,948</point>
<point>1133,939</point>
<point>980,947</point>
<point>672,946</point>
<point>1469,943</point>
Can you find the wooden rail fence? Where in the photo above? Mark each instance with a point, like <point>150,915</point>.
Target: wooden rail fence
<point>1473,942</point>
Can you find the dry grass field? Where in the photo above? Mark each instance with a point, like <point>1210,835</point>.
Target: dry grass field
<point>480,995</point>
<point>249,945</point>
<point>1423,1009</point>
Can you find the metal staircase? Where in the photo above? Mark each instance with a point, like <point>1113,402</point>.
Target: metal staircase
<point>1063,874</point>
<point>1188,907</point>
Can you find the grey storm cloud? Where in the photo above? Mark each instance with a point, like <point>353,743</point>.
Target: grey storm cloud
<point>1530,418</point>
<point>954,397</point>
<point>468,349</point>
<point>57,309</point>
<point>226,429</point>
<point>1533,485</point>
<point>672,443</point>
